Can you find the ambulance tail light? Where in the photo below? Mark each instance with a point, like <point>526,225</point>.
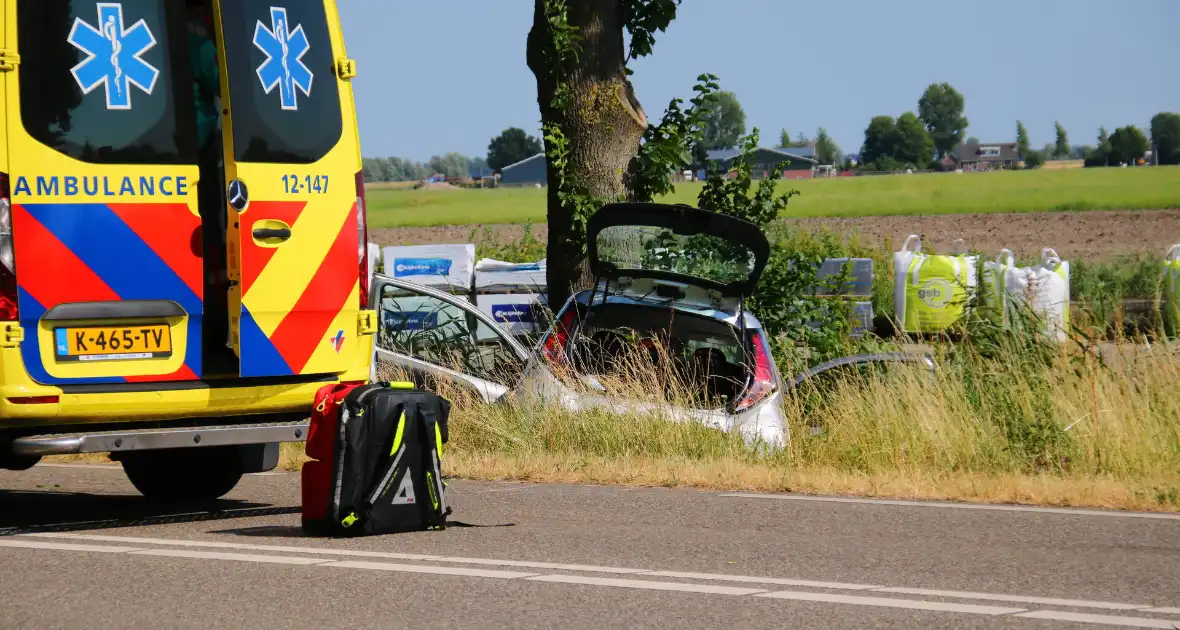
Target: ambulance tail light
<point>8,304</point>
<point>362,239</point>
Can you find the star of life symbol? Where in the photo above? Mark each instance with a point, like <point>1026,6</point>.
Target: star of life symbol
<point>284,65</point>
<point>113,55</point>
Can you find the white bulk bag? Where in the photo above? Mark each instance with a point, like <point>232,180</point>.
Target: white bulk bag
<point>1043,289</point>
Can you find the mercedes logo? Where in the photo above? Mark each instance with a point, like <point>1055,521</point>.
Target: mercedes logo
<point>237,195</point>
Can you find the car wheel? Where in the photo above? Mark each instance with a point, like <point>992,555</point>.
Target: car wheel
<point>191,474</point>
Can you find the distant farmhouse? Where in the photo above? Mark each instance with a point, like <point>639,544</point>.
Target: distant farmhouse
<point>800,161</point>
<point>527,172</point>
<point>983,157</point>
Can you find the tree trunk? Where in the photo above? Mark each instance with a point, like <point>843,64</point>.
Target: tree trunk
<point>603,125</point>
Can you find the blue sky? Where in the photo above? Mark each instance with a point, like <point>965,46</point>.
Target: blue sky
<point>448,76</point>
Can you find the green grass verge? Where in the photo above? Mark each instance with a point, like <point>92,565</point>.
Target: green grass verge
<point>942,193</point>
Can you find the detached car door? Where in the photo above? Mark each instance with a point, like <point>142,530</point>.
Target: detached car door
<point>440,340</point>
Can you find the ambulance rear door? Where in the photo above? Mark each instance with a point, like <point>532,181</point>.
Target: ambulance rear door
<point>103,175</point>
<point>296,225</point>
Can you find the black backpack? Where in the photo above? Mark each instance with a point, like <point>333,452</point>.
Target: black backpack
<point>386,470</point>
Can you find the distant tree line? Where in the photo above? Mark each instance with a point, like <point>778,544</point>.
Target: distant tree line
<point>917,141</point>
<point>511,146</point>
<point>395,169</point>
<point>923,140</point>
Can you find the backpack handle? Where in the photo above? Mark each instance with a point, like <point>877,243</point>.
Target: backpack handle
<point>960,246</point>
<point>1173,253</point>
<point>915,239</point>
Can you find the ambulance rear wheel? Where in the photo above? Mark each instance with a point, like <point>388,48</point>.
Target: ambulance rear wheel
<point>190,474</point>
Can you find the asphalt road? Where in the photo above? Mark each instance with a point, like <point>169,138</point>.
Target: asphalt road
<point>82,550</point>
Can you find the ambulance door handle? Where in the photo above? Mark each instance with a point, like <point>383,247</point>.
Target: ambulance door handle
<point>263,234</point>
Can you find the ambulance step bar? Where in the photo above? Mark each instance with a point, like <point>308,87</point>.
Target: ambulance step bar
<point>156,439</point>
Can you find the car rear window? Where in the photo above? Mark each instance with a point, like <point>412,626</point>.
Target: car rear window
<point>649,248</point>
<point>282,80</point>
<point>105,82</point>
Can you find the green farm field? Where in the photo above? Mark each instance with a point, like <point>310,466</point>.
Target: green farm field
<point>919,194</point>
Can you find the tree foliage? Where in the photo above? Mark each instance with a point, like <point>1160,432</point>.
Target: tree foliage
<point>1165,135</point>
<point>1021,139</point>
<point>1061,148</point>
<point>826,150</point>
<point>880,139</point>
<point>1034,159</point>
<point>394,169</point>
<point>941,109</point>
<point>451,165</point>
<point>914,145</point>
<point>894,144</point>
<point>724,122</point>
<point>1127,145</point>
<point>510,147</point>
<point>1099,155</point>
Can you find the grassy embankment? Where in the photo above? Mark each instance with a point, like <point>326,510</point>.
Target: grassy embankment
<point>1008,424</point>
<point>942,193</point>
<point>1001,424</point>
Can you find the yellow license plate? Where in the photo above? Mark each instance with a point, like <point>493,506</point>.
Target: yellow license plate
<point>109,343</point>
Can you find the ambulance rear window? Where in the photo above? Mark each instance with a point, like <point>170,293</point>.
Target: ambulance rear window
<point>282,80</point>
<point>97,80</point>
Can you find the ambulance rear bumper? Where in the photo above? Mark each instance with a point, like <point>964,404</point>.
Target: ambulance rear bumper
<point>157,439</point>
<point>27,407</point>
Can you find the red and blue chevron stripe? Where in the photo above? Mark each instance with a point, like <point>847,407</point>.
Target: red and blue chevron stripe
<point>103,252</point>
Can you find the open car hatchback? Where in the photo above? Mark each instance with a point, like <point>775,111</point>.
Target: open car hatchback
<point>666,307</point>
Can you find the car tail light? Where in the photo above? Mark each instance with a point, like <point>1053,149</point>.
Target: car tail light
<point>763,384</point>
<point>362,239</point>
<point>554,348</point>
<point>8,300</point>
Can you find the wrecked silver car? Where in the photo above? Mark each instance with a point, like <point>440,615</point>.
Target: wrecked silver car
<point>663,332</point>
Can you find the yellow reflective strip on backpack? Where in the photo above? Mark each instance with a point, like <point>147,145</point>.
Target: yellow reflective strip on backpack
<point>438,439</point>
<point>430,488</point>
<point>401,385</point>
<point>397,436</point>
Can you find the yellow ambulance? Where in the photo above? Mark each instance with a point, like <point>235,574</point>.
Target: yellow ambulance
<point>183,257</point>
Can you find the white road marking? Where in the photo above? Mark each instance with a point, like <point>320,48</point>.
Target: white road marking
<point>516,489</point>
<point>145,541</point>
<point>646,585</point>
<point>417,568</point>
<point>344,552</point>
<point>956,506</point>
<point>1109,620</point>
<point>723,577</point>
<point>27,540</point>
<point>1022,599</point>
<point>541,565</point>
<point>360,553</point>
<point>222,555</point>
<point>34,544</point>
<point>889,602</point>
